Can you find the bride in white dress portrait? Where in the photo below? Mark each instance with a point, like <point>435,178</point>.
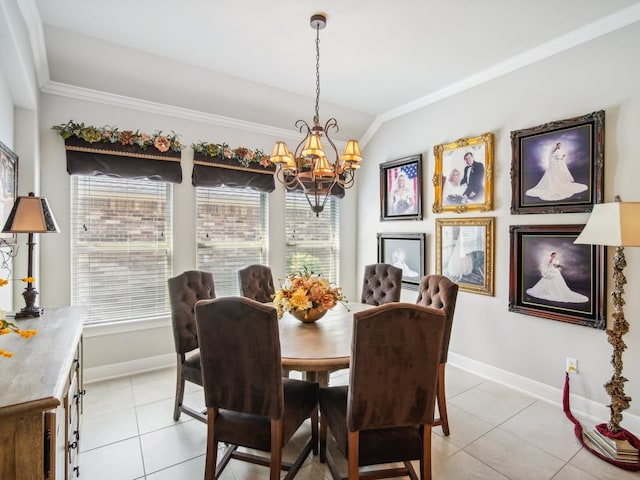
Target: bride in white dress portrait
<point>552,285</point>
<point>557,183</point>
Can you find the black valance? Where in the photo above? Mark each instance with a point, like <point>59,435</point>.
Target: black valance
<point>220,171</point>
<point>122,161</point>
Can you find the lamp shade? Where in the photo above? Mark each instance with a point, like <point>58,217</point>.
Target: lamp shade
<point>615,224</point>
<point>30,214</point>
<point>352,153</point>
<point>280,154</point>
<point>313,147</point>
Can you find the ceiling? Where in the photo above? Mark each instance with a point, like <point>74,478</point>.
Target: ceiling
<point>254,60</point>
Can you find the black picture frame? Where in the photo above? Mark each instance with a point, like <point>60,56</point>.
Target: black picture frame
<point>551,287</point>
<point>8,188</point>
<point>407,251</point>
<point>558,167</point>
<point>399,202</point>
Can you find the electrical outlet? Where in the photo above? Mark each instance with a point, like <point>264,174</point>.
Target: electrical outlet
<point>572,365</point>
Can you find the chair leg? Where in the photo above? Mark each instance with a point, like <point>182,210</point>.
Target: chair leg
<point>277,434</point>
<point>179,389</point>
<point>212,446</point>
<point>425,461</point>
<point>314,431</point>
<point>442,401</point>
<point>323,438</point>
<point>354,455</point>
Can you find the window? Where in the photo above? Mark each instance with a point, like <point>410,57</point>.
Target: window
<point>313,241</point>
<point>121,247</point>
<point>231,232</point>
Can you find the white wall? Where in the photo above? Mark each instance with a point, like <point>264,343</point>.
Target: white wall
<point>526,351</point>
<point>595,76</point>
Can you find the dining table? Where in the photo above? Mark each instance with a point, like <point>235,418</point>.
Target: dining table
<point>320,347</point>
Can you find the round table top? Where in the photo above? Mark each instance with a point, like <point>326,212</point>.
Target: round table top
<point>324,345</point>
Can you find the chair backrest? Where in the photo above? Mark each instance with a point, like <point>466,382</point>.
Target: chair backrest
<point>256,283</point>
<point>438,291</point>
<point>184,291</point>
<point>382,284</point>
<point>240,356</point>
<point>395,355</point>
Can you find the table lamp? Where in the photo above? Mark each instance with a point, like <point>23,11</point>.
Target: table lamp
<point>30,215</point>
<point>615,224</point>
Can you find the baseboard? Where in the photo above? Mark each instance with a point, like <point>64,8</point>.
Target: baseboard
<point>580,406</point>
<point>141,365</point>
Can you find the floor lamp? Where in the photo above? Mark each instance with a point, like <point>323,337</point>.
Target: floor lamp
<point>615,224</point>
<point>30,215</point>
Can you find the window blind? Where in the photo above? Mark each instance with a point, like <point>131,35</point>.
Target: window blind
<point>313,242</point>
<point>121,247</point>
<point>231,232</point>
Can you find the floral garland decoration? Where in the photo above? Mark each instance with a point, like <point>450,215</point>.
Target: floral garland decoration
<point>109,134</point>
<point>242,155</point>
<point>7,327</point>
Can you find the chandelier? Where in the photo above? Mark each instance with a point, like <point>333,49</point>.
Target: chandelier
<point>308,167</point>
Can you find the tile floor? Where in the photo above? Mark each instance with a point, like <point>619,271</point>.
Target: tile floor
<point>497,433</point>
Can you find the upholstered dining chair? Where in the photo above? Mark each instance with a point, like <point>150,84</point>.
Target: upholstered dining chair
<point>385,413</point>
<point>184,291</point>
<point>438,291</point>
<point>250,405</point>
<point>256,283</point>
<point>382,284</point>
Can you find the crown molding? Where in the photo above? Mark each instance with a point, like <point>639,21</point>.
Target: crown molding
<point>87,94</point>
<point>603,26</point>
<point>31,16</point>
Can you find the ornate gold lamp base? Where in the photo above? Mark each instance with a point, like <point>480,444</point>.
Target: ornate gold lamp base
<point>615,386</point>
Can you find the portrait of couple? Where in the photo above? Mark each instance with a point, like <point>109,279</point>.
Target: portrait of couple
<point>462,176</point>
<point>464,184</point>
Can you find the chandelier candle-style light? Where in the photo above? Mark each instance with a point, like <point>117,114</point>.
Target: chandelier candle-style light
<point>308,168</point>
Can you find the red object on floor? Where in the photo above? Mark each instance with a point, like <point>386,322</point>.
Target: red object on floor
<point>602,428</point>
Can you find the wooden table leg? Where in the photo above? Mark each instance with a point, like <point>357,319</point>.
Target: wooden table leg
<point>322,378</point>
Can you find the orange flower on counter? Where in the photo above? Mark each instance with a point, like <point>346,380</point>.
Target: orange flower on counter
<point>7,327</point>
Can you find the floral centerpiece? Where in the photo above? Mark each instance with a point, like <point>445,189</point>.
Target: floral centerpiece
<point>7,327</point>
<point>307,296</point>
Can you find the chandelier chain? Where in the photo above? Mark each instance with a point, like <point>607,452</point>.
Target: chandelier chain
<point>308,167</point>
<point>317,119</point>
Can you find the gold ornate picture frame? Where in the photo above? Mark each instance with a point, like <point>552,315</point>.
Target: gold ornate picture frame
<point>464,252</point>
<point>463,177</point>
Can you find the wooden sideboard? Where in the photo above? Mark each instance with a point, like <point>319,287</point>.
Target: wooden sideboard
<point>41,398</point>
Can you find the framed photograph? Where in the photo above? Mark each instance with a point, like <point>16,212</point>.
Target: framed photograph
<point>406,251</point>
<point>559,166</point>
<point>401,189</point>
<point>463,178</point>
<point>8,187</point>
<point>551,277</point>
<point>464,252</point>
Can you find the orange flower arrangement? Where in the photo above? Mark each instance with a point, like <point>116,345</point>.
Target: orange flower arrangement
<point>304,291</point>
<point>7,327</point>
